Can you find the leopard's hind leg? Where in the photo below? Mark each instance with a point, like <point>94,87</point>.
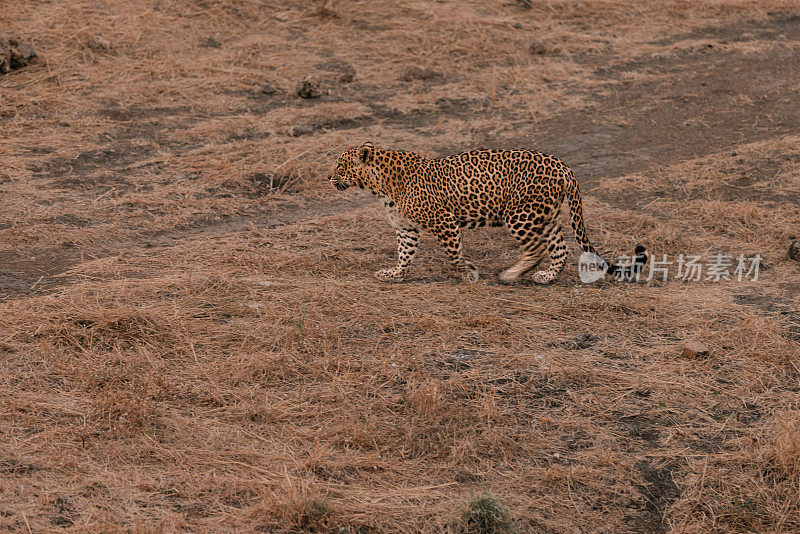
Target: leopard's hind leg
<point>557,250</point>
<point>524,227</point>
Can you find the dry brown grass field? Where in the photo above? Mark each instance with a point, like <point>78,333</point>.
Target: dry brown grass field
<point>191,338</point>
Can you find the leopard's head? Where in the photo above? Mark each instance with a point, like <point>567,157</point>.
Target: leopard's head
<point>352,168</point>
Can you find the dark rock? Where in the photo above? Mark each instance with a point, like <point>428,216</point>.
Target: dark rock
<point>794,250</point>
<point>308,88</point>
<point>22,53</point>
<point>210,42</point>
<point>15,54</point>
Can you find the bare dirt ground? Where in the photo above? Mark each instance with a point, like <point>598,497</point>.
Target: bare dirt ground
<point>191,338</point>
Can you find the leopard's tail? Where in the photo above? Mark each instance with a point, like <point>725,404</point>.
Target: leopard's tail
<point>573,196</point>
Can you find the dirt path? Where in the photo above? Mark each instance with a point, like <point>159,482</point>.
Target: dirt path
<point>695,101</point>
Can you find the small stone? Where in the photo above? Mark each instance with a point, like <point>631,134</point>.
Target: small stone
<point>794,250</point>
<point>419,73</point>
<point>210,42</point>
<point>15,54</point>
<point>538,47</point>
<point>297,131</point>
<point>24,53</point>
<point>695,349</point>
<point>308,88</point>
<point>99,44</point>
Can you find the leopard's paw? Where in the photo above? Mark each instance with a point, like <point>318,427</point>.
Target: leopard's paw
<point>472,275</point>
<point>388,275</point>
<point>509,276</point>
<point>543,277</point>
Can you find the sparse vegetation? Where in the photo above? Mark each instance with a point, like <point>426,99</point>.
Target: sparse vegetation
<point>484,514</point>
<point>191,338</point>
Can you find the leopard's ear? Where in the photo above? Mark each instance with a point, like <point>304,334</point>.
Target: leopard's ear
<point>366,152</point>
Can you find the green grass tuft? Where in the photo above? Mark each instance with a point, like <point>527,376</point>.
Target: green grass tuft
<point>485,514</point>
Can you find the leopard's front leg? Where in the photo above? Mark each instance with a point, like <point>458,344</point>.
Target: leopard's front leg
<point>407,242</point>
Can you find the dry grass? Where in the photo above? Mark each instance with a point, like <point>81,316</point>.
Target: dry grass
<point>191,340</point>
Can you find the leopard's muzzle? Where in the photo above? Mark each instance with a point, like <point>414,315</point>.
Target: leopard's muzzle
<point>341,186</point>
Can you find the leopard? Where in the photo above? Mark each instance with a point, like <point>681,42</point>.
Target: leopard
<point>521,189</point>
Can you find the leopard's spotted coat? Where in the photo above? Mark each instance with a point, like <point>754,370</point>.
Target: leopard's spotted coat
<point>522,190</point>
